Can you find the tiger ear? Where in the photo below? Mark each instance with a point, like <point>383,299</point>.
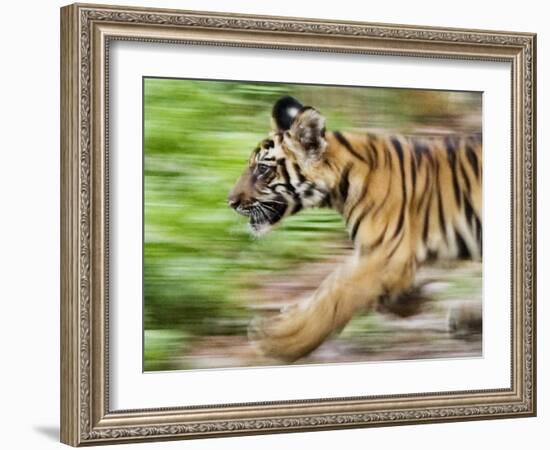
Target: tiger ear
<point>284,112</point>
<point>307,134</point>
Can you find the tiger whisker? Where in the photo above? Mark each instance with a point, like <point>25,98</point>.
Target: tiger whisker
<point>270,208</point>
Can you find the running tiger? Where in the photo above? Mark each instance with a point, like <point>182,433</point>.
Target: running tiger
<point>404,200</point>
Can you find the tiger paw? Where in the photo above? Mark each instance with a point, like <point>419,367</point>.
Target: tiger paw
<point>287,336</point>
<point>465,320</point>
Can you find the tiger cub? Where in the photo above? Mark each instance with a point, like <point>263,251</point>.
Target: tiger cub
<point>404,200</point>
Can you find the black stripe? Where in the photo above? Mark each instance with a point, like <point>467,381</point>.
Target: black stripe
<point>356,224</point>
<point>399,222</point>
<point>343,186</point>
<point>479,233</point>
<point>431,159</point>
<point>399,151</point>
<point>369,156</point>
<point>413,172</point>
<point>406,267</point>
<point>472,158</point>
<point>473,221</point>
<point>372,149</point>
<point>450,143</point>
<point>420,149</point>
<point>427,220</point>
<point>441,216</point>
<point>297,206</point>
<point>469,211</point>
<point>277,208</point>
<point>368,248</point>
<point>383,202</point>
<point>299,173</point>
<point>289,187</point>
<point>425,190</point>
<point>480,243</point>
<point>451,157</point>
<point>465,177</point>
<point>328,163</point>
<point>340,138</point>
<point>396,246</point>
<point>285,174</point>
<point>378,240</point>
<point>290,190</point>
<point>387,159</point>
<point>463,250</point>
<point>326,202</point>
<point>440,207</point>
<point>361,197</point>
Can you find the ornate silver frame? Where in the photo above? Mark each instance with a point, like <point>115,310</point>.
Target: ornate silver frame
<point>86,31</point>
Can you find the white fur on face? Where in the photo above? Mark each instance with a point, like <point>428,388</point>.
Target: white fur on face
<point>259,230</point>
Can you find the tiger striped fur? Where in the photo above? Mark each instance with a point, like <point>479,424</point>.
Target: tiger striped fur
<point>404,200</point>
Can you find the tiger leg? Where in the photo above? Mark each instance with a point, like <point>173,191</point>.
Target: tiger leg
<point>355,286</point>
<point>408,302</point>
<point>466,320</point>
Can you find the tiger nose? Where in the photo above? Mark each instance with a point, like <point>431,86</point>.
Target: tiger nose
<point>234,200</point>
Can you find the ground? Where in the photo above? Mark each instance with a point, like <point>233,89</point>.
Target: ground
<point>438,325</point>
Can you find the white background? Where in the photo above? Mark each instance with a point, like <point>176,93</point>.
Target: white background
<point>132,389</point>
<point>29,229</point>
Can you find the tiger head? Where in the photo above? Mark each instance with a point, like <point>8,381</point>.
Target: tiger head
<point>282,176</point>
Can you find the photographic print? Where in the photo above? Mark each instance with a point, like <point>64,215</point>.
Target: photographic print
<point>299,224</point>
<point>255,208</point>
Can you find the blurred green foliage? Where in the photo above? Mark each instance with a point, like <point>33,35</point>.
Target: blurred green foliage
<point>198,136</point>
<point>161,347</point>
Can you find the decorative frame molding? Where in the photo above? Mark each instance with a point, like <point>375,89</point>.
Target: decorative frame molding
<point>86,31</point>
